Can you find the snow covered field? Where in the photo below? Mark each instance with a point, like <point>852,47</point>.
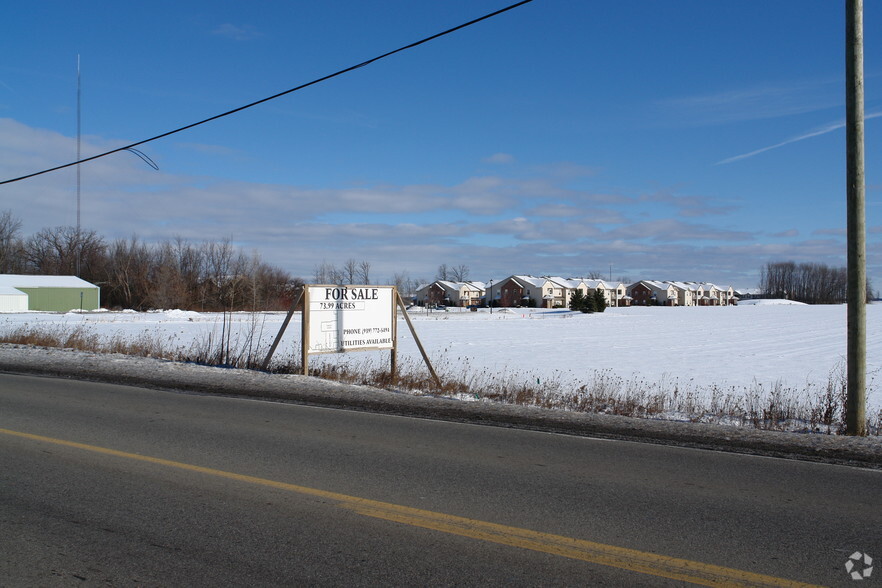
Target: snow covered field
<point>693,347</point>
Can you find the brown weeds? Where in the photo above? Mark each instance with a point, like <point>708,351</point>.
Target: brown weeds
<point>809,410</point>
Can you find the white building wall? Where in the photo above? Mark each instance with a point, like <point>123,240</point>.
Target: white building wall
<point>13,301</point>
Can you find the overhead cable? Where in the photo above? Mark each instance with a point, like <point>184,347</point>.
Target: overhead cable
<point>273,97</point>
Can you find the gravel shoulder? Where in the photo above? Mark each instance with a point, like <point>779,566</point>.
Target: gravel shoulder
<point>192,378</point>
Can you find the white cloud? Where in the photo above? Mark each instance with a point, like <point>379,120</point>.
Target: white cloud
<point>688,206</point>
<point>500,159</point>
<point>529,221</point>
<point>755,103</point>
<point>672,230</point>
<point>237,32</point>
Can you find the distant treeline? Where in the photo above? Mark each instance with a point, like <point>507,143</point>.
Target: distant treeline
<point>812,283</point>
<point>209,276</point>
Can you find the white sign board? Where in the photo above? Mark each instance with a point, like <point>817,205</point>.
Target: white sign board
<point>350,318</point>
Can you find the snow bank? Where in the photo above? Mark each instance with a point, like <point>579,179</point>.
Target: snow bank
<point>770,302</point>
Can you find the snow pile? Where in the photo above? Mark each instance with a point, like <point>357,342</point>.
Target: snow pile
<point>770,302</point>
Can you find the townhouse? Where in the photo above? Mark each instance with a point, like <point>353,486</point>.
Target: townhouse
<point>654,293</point>
<point>616,294</point>
<point>517,291</point>
<point>556,292</point>
<point>442,292</point>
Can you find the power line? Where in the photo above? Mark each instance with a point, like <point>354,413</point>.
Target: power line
<point>273,97</point>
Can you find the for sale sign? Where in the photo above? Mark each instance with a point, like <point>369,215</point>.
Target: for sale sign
<point>350,318</point>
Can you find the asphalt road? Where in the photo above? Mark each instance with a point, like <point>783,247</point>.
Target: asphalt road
<point>103,484</point>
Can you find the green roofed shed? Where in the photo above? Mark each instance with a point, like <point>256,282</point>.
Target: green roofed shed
<point>52,293</point>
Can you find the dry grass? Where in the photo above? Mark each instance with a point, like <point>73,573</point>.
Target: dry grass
<point>812,409</point>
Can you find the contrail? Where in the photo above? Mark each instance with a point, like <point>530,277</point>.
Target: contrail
<point>822,131</point>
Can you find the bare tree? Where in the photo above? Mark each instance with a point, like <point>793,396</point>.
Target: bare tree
<point>168,284</point>
<point>10,243</point>
<point>127,272</point>
<point>56,252</point>
<point>364,271</point>
<point>225,275</point>
<point>460,273</point>
<point>190,266</point>
<point>178,276</point>
<point>327,273</point>
<point>400,280</point>
<point>443,272</point>
<point>350,271</point>
<point>273,287</point>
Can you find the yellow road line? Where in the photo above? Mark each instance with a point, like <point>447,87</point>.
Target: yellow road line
<point>588,551</point>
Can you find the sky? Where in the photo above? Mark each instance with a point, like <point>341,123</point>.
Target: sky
<point>682,140</point>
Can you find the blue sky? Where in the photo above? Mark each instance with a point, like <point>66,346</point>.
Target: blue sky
<point>670,140</point>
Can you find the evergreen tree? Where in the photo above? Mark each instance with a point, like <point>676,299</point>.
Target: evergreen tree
<point>581,302</point>
<point>577,300</point>
<point>599,301</point>
<point>588,304</point>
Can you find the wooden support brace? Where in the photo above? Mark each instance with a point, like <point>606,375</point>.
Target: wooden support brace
<point>287,320</point>
<point>417,339</point>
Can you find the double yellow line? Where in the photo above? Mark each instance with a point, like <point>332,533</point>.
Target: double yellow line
<point>588,551</point>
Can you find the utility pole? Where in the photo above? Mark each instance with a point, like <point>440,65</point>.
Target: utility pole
<point>856,401</point>
<point>79,156</point>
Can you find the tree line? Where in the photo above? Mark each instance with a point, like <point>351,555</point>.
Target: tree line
<point>209,276</point>
<point>177,273</point>
<point>812,283</point>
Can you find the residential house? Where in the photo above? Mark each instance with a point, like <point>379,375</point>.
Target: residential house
<point>712,295</point>
<point>615,293</point>
<point>575,285</point>
<point>529,291</point>
<point>729,296</point>
<point>652,293</point>
<point>620,294</point>
<point>688,293</point>
<point>748,293</point>
<point>442,292</point>
<point>557,292</point>
<point>717,296</point>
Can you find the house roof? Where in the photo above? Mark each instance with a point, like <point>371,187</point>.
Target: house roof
<point>522,281</point>
<point>561,282</point>
<point>654,286</point>
<point>454,287</point>
<point>690,286</point>
<point>25,281</point>
<point>602,284</point>
<point>531,281</point>
<point>471,286</point>
<point>10,291</point>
